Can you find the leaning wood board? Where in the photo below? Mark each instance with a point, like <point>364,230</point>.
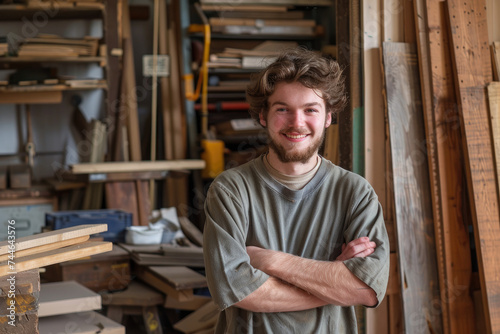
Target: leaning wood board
<point>180,277</point>
<point>414,223</point>
<point>452,236</point>
<point>45,238</point>
<point>55,256</point>
<point>472,68</point>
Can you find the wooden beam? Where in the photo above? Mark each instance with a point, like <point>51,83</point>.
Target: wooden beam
<point>55,236</point>
<point>344,118</point>
<point>55,256</point>
<point>472,68</point>
<point>136,166</point>
<point>31,97</point>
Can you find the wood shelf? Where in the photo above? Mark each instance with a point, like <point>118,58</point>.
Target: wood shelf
<point>58,10</point>
<point>25,59</point>
<point>47,88</point>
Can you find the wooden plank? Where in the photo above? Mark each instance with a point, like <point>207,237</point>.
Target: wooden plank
<point>414,223</point>
<point>344,118</point>
<point>89,322</point>
<point>136,294</point>
<point>472,68</point>
<point>205,317</point>
<point>129,96</point>
<point>3,177</point>
<point>452,234</point>
<point>123,196</point>
<point>495,59</point>
<point>55,236</point>
<point>55,256</point>
<point>494,104</point>
<point>47,247</point>
<point>190,305</point>
<point>180,278</point>
<point>192,232</point>
<point>422,36</point>
<point>66,297</point>
<point>31,97</point>
<point>136,166</point>
<point>113,72</point>
<point>158,283</point>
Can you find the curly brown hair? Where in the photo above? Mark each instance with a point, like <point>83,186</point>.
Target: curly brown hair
<point>304,66</point>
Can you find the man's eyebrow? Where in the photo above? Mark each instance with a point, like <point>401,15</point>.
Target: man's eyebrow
<point>310,104</point>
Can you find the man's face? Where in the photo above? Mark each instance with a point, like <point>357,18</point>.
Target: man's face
<point>296,122</point>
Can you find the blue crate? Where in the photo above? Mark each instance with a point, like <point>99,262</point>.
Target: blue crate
<point>117,221</point>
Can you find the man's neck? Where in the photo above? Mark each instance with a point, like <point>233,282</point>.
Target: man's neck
<point>291,168</point>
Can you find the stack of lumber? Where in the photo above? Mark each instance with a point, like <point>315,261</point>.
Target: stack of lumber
<point>259,20</point>
<point>52,247</point>
<point>440,197</point>
<point>255,58</point>
<point>61,303</point>
<point>165,254</point>
<point>54,46</point>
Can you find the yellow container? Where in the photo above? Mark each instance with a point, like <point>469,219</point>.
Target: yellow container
<point>213,154</point>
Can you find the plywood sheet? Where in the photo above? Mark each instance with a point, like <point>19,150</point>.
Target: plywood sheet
<point>414,221</point>
<point>80,323</point>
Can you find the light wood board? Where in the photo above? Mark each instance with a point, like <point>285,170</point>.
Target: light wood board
<point>58,298</point>
<point>45,238</point>
<point>55,256</point>
<point>414,221</point>
<point>136,166</point>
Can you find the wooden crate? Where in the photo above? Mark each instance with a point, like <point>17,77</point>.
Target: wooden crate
<point>103,272</point>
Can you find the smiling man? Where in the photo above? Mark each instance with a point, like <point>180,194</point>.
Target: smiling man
<point>292,242</point>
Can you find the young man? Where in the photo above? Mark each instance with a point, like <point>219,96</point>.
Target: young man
<point>291,241</point>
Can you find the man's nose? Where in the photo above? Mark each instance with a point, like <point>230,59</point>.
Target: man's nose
<point>297,119</point>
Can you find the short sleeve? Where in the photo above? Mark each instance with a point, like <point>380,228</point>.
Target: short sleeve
<point>230,276</point>
<point>366,219</point>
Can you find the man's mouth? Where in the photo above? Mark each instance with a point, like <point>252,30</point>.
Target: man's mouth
<point>295,136</point>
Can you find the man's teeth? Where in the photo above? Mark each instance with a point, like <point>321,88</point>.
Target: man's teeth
<point>295,137</point>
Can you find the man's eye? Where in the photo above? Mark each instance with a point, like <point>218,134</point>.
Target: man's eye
<point>311,110</point>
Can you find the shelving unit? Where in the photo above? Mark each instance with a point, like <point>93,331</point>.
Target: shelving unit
<point>316,16</point>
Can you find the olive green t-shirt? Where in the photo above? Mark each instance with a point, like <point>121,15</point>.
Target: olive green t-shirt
<point>245,206</point>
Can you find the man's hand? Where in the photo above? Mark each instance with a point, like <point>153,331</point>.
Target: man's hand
<point>361,247</point>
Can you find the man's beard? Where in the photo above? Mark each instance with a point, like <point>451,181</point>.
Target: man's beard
<point>289,155</point>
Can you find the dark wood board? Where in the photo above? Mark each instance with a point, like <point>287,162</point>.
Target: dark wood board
<point>452,235</point>
<point>472,69</point>
<point>413,207</point>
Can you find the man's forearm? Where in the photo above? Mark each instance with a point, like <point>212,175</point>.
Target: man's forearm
<point>329,281</point>
<point>278,296</point>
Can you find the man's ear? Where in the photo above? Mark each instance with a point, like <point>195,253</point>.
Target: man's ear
<point>262,120</point>
<point>328,120</point>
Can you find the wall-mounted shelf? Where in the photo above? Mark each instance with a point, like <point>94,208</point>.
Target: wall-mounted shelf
<point>57,10</point>
<point>52,59</point>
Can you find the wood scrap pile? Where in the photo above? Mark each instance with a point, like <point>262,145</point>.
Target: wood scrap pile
<point>54,46</point>
<point>441,203</point>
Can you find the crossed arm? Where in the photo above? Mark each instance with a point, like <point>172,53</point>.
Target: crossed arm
<point>299,284</point>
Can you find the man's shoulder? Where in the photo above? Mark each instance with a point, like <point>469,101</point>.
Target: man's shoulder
<point>343,177</point>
